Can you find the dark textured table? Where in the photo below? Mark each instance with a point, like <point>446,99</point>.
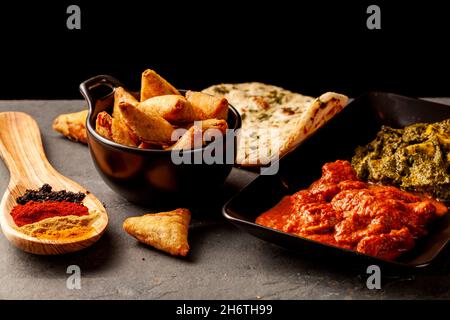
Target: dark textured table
<point>224,262</point>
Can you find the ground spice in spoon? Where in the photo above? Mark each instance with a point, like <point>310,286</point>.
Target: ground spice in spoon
<point>34,211</point>
<point>37,205</point>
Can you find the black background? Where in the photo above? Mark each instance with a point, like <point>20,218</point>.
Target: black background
<point>309,47</point>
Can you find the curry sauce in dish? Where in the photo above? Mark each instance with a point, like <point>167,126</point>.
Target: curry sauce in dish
<point>341,210</point>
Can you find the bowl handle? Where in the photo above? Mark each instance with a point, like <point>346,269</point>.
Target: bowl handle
<point>95,82</point>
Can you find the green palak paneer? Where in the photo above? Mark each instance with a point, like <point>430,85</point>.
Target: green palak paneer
<point>415,158</point>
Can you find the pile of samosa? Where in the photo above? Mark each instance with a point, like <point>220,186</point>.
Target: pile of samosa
<point>149,121</point>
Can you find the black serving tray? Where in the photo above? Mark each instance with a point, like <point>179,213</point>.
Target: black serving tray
<point>356,125</point>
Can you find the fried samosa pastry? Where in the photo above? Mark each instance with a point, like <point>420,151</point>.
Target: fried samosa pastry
<point>147,124</point>
<point>206,106</point>
<point>145,145</point>
<point>121,95</point>
<point>122,134</point>
<point>103,125</point>
<point>152,85</point>
<point>199,131</point>
<point>115,130</point>
<point>166,231</point>
<point>174,108</point>
<point>72,125</point>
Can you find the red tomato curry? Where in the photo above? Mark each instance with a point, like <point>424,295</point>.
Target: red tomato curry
<point>341,210</point>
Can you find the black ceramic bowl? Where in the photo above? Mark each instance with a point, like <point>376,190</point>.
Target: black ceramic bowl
<point>146,176</point>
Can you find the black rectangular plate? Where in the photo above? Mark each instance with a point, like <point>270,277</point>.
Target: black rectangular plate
<point>356,125</point>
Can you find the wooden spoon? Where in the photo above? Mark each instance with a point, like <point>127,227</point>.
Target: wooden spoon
<point>21,149</point>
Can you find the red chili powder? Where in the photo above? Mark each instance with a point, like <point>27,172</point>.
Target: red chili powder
<point>34,211</point>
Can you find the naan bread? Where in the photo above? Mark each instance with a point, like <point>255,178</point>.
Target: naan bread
<point>275,120</point>
<point>166,231</point>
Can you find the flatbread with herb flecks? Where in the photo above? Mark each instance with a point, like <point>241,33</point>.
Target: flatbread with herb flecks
<point>275,120</point>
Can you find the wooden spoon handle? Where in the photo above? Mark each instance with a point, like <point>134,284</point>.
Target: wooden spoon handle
<point>21,147</point>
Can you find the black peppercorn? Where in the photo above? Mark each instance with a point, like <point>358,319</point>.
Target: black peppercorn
<point>45,193</point>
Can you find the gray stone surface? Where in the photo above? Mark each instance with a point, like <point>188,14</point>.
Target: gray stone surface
<point>224,262</point>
